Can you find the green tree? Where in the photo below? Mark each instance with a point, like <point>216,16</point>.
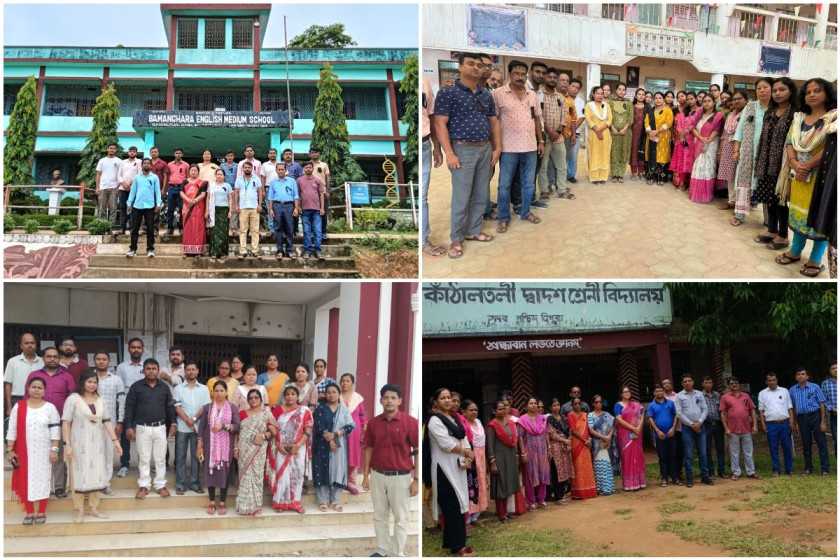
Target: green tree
<point>106,115</point>
<point>329,132</point>
<point>20,141</point>
<point>408,87</point>
<point>322,37</point>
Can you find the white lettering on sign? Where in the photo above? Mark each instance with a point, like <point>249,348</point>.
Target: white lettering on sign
<point>538,344</point>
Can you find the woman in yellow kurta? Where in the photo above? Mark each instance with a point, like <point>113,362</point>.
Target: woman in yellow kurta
<point>658,150</point>
<point>598,120</point>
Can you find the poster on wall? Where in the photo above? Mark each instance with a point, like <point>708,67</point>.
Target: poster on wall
<point>632,76</point>
<point>774,60</point>
<point>447,73</point>
<point>496,28</point>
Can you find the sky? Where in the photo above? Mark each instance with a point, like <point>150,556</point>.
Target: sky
<point>106,25</point>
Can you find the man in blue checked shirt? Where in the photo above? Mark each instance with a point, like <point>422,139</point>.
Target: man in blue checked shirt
<point>829,389</point>
<point>144,202</point>
<point>809,406</point>
<point>283,207</point>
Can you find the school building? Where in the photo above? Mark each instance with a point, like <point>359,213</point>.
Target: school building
<point>540,339</point>
<point>659,46</point>
<point>212,86</point>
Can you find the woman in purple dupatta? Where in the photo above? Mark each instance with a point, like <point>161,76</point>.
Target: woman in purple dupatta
<point>533,438</point>
<point>630,415</point>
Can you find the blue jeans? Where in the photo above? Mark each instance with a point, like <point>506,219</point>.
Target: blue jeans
<point>817,251</point>
<point>809,429</point>
<point>692,439</point>
<point>571,157</point>
<point>779,433</point>
<point>522,165</point>
<point>427,172</point>
<point>185,450</point>
<point>311,231</point>
<point>173,201</point>
<point>283,234</point>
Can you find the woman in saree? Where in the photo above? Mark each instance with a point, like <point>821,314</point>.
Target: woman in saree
<point>803,154</point>
<point>598,120</point>
<point>193,203</point>
<point>248,382</point>
<point>329,449</point>
<point>726,165</point>
<point>745,148</point>
<point>355,441</point>
<point>287,454</point>
<point>216,446</point>
<point>207,168</point>
<point>658,123</point>
<point>217,215</point>
<point>768,164</point>
<point>682,159</point>
<point>706,127</point>
<point>559,452</point>
<point>237,368</point>
<point>601,429</point>
<point>533,445</point>
<point>622,112</point>
<point>32,449</point>
<point>583,480</point>
<point>301,381</point>
<point>637,149</point>
<point>256,429</point>
<point>822,214</point>
<point>273,380</point>
<point>478,443</point>
<point>630,417</point>
<point>503,460</point>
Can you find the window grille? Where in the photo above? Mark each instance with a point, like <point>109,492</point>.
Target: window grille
<point>303,100</point>
<point>141,98</point>
<point>187,33</point>
<point>365,103</point>
<point>208,100</point>
<point>747,25</point>
<point>830,38</point>
<point>9,97</point>
<point>612,11</point>
<point>214,33</point>
<point>70,100</point>
<point>243,30</point>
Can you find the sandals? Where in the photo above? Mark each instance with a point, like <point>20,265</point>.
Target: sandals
<point>434,250</point>
<point>811,270</point>
<point>481,237</point>
<point>40,519</point>
<point>337,507</point>
<point>776,245</point>
<point>501,227</point>
<point>29,520</point>
<point>211,509</point>
<point>531,217</point>
<point>735,222</point>
<point>322,507</point>
<point>764,238</point>
<point>455,251</point>
<point>222,509</point>
<point>785,259</point>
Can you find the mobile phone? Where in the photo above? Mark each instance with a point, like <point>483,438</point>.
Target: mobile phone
<point>14,462</point>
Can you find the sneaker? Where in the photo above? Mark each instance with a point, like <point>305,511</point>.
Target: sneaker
<point>150,254</point>
<point>123,472</point>
<point>131,254</point>
<point>318,256</point>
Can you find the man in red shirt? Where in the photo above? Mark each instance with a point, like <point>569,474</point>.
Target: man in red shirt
<point>391,443</point>
<point>161,169</point>
<point>172,191</point>
<point>70,359</point>
<point>737,412</point>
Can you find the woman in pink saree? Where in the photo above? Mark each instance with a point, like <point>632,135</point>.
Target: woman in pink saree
<point>629,418</point>
<point>682,159</point>
<point>355,440</point>
<point>706,129</point>
<point>287,456</point>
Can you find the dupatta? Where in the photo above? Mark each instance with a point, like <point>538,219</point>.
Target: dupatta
<point>20,475</point>
<point>338,460</point>
<point>508,440</point>
<point>533,426</point>
<point>804,142</point>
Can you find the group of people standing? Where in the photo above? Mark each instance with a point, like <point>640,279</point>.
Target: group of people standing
<point>254,432</point>
<point>210,201</point>
<point>574,451</point>
<point>777,150</point>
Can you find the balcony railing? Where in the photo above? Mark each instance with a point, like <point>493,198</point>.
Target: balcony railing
<point>796,32</point>
<point>830,37</point>
<point>747,25</point>
<point>692,17</point>
<point>646,14</point>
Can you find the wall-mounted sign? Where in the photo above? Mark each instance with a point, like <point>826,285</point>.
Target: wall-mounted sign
<point>525,345</point>
<point>774,60</point>
<point>658,42</point>
<point>213,119</point>
<point>497,28</point>
<point>468,309</point>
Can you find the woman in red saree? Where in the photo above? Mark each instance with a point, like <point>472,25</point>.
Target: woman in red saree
<point>583,481</point>
<point>629,417</point>
<point>193,208</point>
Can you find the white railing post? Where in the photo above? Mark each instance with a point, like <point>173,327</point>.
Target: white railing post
<point>413,204</point>
<point>348,205</point>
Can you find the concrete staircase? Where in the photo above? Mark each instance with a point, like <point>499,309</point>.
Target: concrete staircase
<point>180,526</point>
<point>110,261</point>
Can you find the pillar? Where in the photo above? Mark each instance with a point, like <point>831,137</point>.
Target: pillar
<point>662,363</point>
<point>275,141</point>
<point>149,141</point>
<point>723,13</point>
<point>663,15</point>
<point>822,21</point>
<point>771,28</point>
<point>717,79</point>
<point>594,9</point>
<point>383,342</point>
<point>523,380</point>
<point>415,399</point>
<point>593,78</point>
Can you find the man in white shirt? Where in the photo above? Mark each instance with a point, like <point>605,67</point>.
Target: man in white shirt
<point>321,170</point>
<point>268,171</point>
<point>190,397</point>
<point>129,168</point>
<point>112,391</point>
<point>255,163</point>
<point>129,372</point>
<point>776,413</point>
<point>18,369</point>
<point>107,183</point>
<point>572,148</point>
<point>175,373</point>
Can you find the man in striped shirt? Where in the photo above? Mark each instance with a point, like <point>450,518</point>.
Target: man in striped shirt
<point>829,389</point>
<point>809,406</point>
<point>112,391</point>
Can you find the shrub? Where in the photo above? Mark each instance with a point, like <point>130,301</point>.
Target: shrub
<point>62,226</point>
<point>31,226</point>
<point>99,227</point>
<point>338,225</point>
<point>9,222</point>
<point>371,218</point>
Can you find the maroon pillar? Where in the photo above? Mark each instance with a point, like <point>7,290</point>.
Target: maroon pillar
<point>662,365</point>
<point>332,342</point>
<point>402,331</point>
<point>369,300</point>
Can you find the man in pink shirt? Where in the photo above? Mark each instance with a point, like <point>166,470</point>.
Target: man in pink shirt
<point>737,412</point>
<point>522,141</point>
<point>431,149</point>
<point>172,192</point>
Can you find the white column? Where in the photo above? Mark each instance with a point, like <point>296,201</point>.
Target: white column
<point>717,79</point>
<point>593,78</point>
<point>724,12</point>
<point>417,363</point>
<point>320,338</point>
<point>383,340</point>
<point>594,9</point>
<point>663,14</point>
<point>822,21</point>
<point>771,29</point>
<point>348,327</point>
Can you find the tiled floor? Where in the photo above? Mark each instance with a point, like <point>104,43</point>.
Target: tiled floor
<point>629,230</point>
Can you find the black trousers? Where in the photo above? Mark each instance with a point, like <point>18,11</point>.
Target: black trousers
<point>717,439</point>
<point>140,215</point>
<point>454,525</point>
<point>777,218</point>
<point>809,430</point>
<point>680,452</point>
<point>666,450</point>
<point>122,210</point>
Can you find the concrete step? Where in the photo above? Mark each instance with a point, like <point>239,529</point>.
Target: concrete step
<point>174,519</point>
<point>163,238</point>
<point>217,273</point>
<point>203,263</point>
<point>304,540</point>
<point>175,249</point>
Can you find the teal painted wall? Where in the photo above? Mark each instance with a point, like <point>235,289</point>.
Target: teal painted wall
<point>20,70</point>
<point>75,144</point>
<point>77,124</point>
<point>214,74</point>
<point>138,71</point>
<point>74,71</point>
<point>313,72</point>
<point>343,55</point>
<point>213,56</point>
<point>87,53</point>
<point>304,126</point>
<point>358,147</point>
